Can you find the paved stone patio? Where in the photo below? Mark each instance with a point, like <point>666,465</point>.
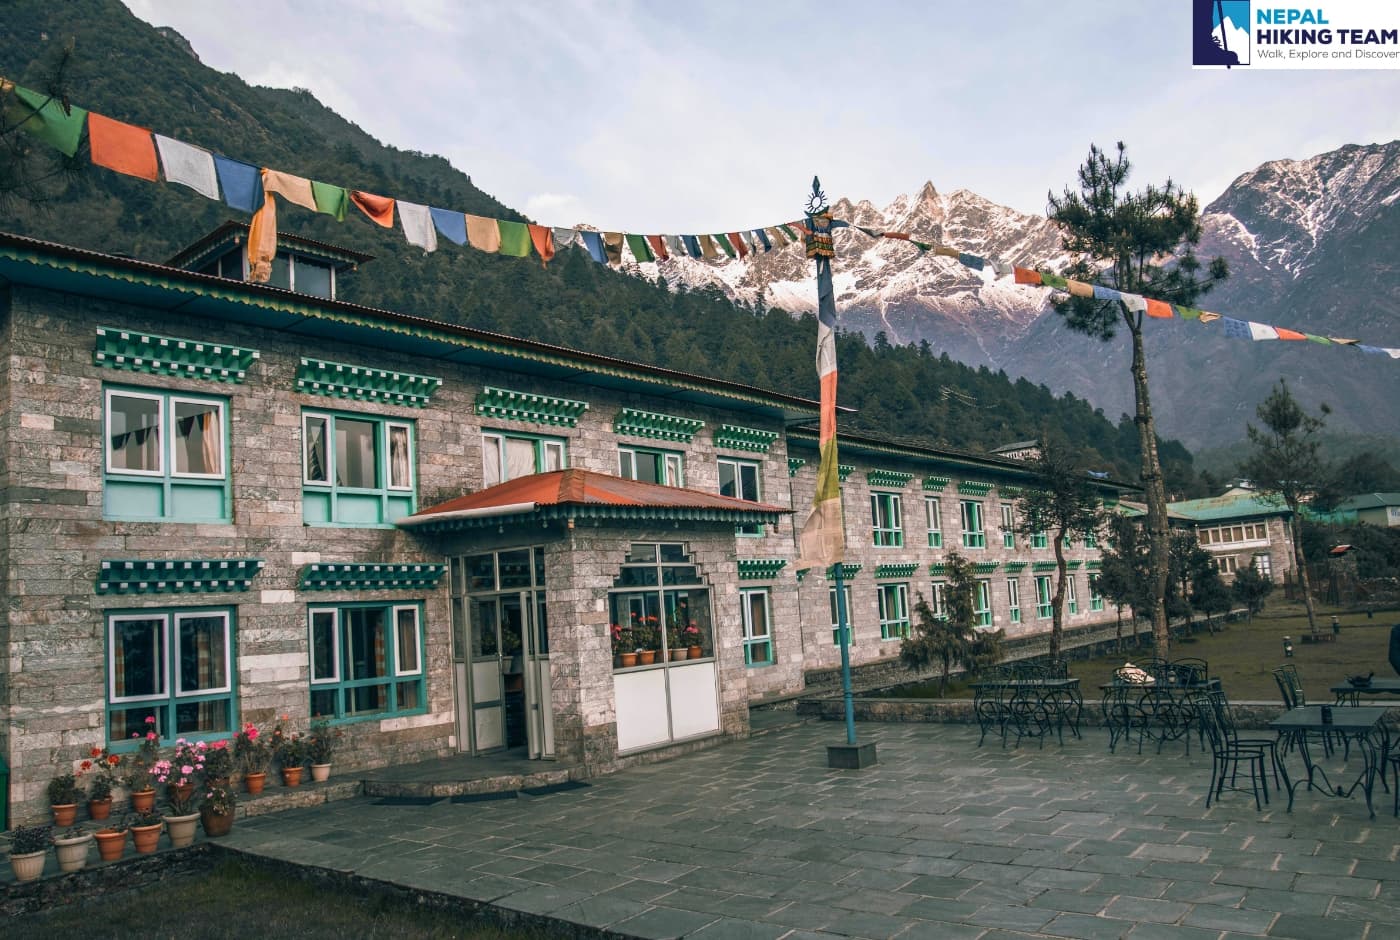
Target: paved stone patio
<point>941,839</point>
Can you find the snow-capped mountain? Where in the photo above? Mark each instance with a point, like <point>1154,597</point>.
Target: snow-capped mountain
<point>1309,243</point>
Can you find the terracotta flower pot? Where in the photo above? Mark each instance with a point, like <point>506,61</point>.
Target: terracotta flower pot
<point>29,866</point>
<point>111,843</point>
<point>100,809</point>
<point>64,814</point>
<point>679,652</point>
<point>696,652</point>
<point>254,782</point>
<point>72,853</point>
<point>143,801</point>
<point>215,824</point>
<point>627,660</point>
<point>181,829</point>
<point>646,657</point>
<point>291,776</point>
<point>183,791</point>
<point>146,838</point>
<point>320,773</point>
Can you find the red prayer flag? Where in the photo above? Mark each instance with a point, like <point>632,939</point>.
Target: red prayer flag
<point>658,247</point>
<point>1288,334</point>
<point>122,147</point>
<point>1026,276</point>
<point>380,209</point>
<point>1158,309</point>
<point>543,238</point>
<point>739,244</point>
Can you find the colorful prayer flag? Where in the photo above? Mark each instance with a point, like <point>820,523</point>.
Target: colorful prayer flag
<point>564,237</point>
<point>542,237</point>
<point>1261,331</point>
<point>188,165</point>
<point>417,224</point>
<point>723,242</point>
<point>707,248</point>
<point>762,237</point>
<point>822,540</point>
<point>1237,329</point>
<point>330,200</point>
<point>594,243</point>
<point>241,183</point>
<point>1026,276</point>
<point>658,247</point>
<point>972,261</point>
<point>1290,334</point>
<point>483,234</point>
<point>612,245</point>
<point>737,240</point>
<point>124,148</point>
<point>692,246</point>
<point>1159,310</point>
<point>1106,293</point>
<point>1080,289</point>
<point>451,225</point>
<point>515,239</point>
<point>637,244</point>
<point>46,118</point>
<point>380,209</point>
<point>295,189</point>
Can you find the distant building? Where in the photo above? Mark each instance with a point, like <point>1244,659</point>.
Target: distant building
<point>1381,509</point>
<point>1239,530</point>
<point>1020,450</point>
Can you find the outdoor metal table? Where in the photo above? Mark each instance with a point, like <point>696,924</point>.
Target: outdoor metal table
<point>1160,710</point>
<point>1361,725</point>
<point>1032,707</point>
<point>1348,694</point>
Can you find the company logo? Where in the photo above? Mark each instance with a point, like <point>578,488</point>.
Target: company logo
<point>1220,33</point>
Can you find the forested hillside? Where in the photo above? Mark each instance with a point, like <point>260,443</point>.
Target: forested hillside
<point>126,69</point>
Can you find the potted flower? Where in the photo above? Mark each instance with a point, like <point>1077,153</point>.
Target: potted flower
<point>218,763</point>
<point>145,830</point>
<point>111,841</point>
<point>64,794</point>
<point>138,775</point>
<point>72,846</point>
<point>253,754</point>
<point>216,814</point>
<point>624,645</point>
<point>693,638</point>
<point>648,638</point>
<point>101,768</point>
<point>321,744</point>
<point>28,846</point>
<point>289,748</point>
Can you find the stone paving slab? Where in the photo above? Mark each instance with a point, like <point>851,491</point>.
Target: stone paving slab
<point>759,839</point>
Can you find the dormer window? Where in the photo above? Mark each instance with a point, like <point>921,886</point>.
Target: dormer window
<point>300,265</point>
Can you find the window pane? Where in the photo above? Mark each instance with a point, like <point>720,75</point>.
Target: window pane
<point>323,665</point>
<point>728,479</point>
<point>674,472</point>
<point>199,438</point>
<point>481,573</point>
<point>281,272</point>
<point>138,657</point>
<point>520,458</point>
<point>553,456</point>
<point>748,478</point>
<point>134,427</point>
<point>203,717</point>
<point>671,552</point>
<point>323,702</point>
<point>408,695</point>
<point>490,460</point>
<point>314,279</point>
<point>316,451</point>
<point>515,569</point>
<point>364,642</point>
<point>642,553</point>
<point>646,468</point>
<point>627,465</point>
<point>203,654</point>
<point>407,652</point>
<point>758,614</point>
<point>400,473</point>
<point>356,462</point>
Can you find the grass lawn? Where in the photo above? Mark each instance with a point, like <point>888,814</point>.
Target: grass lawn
<point>1244,655</point>
<point>236,900</point>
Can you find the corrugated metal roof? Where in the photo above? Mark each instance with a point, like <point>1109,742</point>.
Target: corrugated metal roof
<point>1226,507</point>
<point>1370,501</point>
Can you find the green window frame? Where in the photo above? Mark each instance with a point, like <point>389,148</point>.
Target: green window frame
<point>357,469</point>
<point>509,456</point>
<point>938,603</point>
<point>1040,540</point>
<point>165,456</point>
<point>886,512</point>
<point>835,621</point>
<point>933,513</point>
<point>1071,595</point>
<point>974,534</point>
<point>1008,526</point>
<point>1095,598</point>
<point>982,603</point>
<point>172,671</point>
<point>1013,597</point>
<point>1044,597</point>
<point>758,627</point>
<point>651,466</point>
<point>365,660</point>
<point>1091,540</point>
<point>894,610</point>
<point>741,479</point>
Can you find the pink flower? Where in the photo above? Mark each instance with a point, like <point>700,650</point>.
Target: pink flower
<point>187,770</point>
<point>150,719</point>
<point>220,745</point>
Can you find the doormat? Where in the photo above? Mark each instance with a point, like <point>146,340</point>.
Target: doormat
<point>484,797</point>
<point>406,801</point>
<point>555,788</point>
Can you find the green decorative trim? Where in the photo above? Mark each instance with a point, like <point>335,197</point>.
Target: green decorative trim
<point>845,470</point>
<point>795,464</point>
<point>370,577</point>
<point>973,488</point>
<point>936,484</point>
<point>361,383</point>
<point>170,355</point>
<point>176,576</point>
<point>1010,492</point>
<point>1043,566</point>
<point>1094,565</point>
<point>502,403</point>
<point>1074,564</point>
<point>733,437</point>
<point>848,571</point>
<point>760,569</point>
<point>657,426</point>
<point>897,571</point>
<point>1015,565</point>
<point>985,567</point>
<point>938,569</point>
<point>890,478</point>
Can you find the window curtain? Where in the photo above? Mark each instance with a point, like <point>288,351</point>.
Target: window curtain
<point>520,458</point>
<point>209,434</point>
<point>316,450</point>
<point>398,457</point>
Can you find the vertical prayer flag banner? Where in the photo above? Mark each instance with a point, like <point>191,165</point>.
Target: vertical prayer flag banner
<point>822,541</point>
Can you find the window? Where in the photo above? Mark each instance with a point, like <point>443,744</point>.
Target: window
<point>1091,540</point>
<point>889,527</point>
<point>1226,564</point>
<point>739,479</point>
<point>366,660</point>
<point>1013,596</point>
<point>171,671</point>
<point>508,456</point>
<point>934,513</point>
<point>1040,540</point>
<point>660,602</point>
<point>1264,565</point>
<point>835,621</point>
<point>356,470</point>
<point>165,457</point>
<point>1234,534</point>
<point>758,637</point>
<point>293,272</point>
<point>973,535</point>
<point>939,602</point>
<point>894,611</point>
<point>1071,596</point>
<point>1043,594</point>
<point>650,466</point>
<point>982,607</point>
<point>1008,526</point>
<point>1095,598</point>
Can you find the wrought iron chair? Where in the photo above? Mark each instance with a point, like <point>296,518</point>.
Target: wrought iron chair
<point>1228,758</point>
<point>1225,717</point>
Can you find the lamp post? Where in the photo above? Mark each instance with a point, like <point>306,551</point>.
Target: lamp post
<point>1288,647</point>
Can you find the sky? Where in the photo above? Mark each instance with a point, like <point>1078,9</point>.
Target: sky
<point>714,116</point>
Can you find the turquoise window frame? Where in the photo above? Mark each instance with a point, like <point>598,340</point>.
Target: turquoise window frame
<point>887,516</point>
<point>738,486</point>
<point>974,529</point>
<point>325,502</point>
<point>1071,595</point>
<point>1095,598</point>
<point>1013,595</point>
<point>164,494</point>
<point>1008,526</point>
<point>1090,540</point>
<point>336,681</point>
<point>894,610</point>
<point>939,601</point>
<point>1044,597</point>
<point>546,450</point>
<point>668,466</point>
<point>167,703</point>
<point>758,647</point>
<point>933,514</point>
<point>835,622</point>
<point>982,603</point>
<point>1040,540</point>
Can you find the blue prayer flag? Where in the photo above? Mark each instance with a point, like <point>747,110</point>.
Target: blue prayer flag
<point>1106,293</point>
<point>692,246</point>
<point>1239,329</point>
<point>593,241</point>
<point>972,261</point>
<point>450,225</point>
<point>762,237</point>
<point>241,183</point>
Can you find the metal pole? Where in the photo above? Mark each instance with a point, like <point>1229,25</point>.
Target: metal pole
<point>843,631</point>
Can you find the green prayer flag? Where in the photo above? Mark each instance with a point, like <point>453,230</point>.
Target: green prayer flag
<point>640,249</point>
<point>45,118</point>
<point>332,200</point>
<point>788,231</point>
<point>921,245</point>
<point>1053,280</point>
<point>723,242</point>
<point>515,238</point>
<point>1312,338</point>
<point>1187,313</point>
